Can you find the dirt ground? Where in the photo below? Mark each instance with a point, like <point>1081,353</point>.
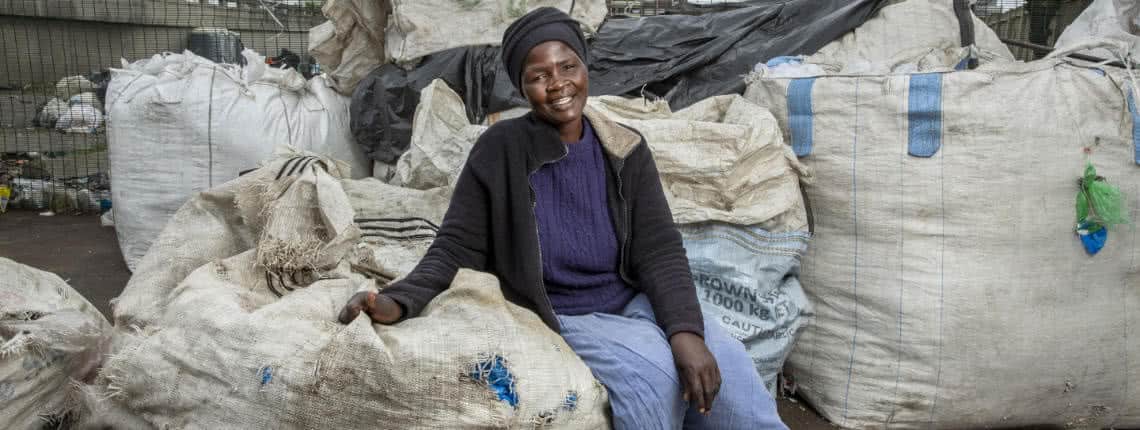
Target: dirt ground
<point>87,255</point>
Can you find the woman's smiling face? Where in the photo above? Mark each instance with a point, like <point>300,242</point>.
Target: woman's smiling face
<point>556,83</point>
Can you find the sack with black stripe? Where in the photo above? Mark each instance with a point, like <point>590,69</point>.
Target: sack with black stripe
<point>238,328</point>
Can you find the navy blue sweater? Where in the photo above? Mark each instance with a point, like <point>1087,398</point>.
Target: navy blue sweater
<point>576,234</point>
<point>490,224</point>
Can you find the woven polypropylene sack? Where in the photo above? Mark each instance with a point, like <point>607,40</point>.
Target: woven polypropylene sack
<point>441,139</point>
<point>721,159</point>
<point>951,290</point>
<point>351,43</point>
<point>182,124</point>
<point>250,338</point>
<point>51,339</point>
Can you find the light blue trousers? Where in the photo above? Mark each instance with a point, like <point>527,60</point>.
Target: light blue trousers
<point>629,354</point>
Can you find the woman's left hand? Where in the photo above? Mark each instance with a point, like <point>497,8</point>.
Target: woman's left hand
<point>697,368</point>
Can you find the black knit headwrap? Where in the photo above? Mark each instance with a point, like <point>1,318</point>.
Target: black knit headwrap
<point>540,25</point>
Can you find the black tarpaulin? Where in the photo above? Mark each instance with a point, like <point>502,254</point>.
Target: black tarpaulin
<point>681,58</point>
<point>685,59</point>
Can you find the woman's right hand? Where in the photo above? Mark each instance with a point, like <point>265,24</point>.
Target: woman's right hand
<point>380,308</point>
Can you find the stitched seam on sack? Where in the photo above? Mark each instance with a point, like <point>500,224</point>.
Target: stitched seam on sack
<point>796,242</point>
<point>1124,302</point>
<point>941,279</point>
<point>1135,125</point>
<point>285,111</point>
<point>855,262</point>
<point>790,252</point>
<point>758,234</point>
<point>902,267</point>
<point>210,131</point>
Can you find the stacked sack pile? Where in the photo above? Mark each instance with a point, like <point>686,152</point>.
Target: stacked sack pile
<point>230,317</point>
<point>946,260</point>
<point>231,320</point>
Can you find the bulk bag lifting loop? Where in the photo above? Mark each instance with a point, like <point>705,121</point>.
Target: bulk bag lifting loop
<point>924,115</point>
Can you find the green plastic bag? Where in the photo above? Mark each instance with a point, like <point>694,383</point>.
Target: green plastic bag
<point>1098,202</point>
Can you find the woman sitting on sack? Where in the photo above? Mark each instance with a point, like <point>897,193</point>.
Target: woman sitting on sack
<point>566,208</point>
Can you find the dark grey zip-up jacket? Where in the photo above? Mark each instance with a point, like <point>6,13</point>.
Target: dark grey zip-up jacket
<point>490,224</point>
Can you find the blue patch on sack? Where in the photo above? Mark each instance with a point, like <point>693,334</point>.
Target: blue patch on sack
<point>498,378</point>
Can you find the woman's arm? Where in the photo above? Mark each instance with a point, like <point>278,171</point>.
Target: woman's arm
<point>461,242</point>
<point>657,253</point>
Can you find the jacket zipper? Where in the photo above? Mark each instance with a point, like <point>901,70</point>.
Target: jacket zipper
<point>625,238</point>
<point>537,239</point>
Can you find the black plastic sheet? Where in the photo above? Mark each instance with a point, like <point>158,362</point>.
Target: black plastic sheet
<point>681,58</point>
<point>385,100</point>
<point>685,59</point>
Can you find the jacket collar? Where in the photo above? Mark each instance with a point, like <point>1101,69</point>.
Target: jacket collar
<point>546,146</point>
<point>617,139</point>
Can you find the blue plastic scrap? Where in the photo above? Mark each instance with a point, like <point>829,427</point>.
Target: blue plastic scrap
<point>498,378</point>
<point>571,401</point>
<point>1092,238</point>
<point>266,374</point>
<point>784,59</point>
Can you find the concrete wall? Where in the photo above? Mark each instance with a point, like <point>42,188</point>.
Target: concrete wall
<point>44,40</point>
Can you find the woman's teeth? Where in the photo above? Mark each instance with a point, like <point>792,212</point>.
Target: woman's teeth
<point>562,101</point>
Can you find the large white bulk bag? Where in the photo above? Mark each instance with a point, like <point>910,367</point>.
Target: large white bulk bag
<point>51,339</point>
<point>181,124</point>
<point>950,288</point>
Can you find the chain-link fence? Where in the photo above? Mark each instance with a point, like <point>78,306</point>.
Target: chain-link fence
<point>54,61</point>
<point>1029,27</point>
<point>55,56</point>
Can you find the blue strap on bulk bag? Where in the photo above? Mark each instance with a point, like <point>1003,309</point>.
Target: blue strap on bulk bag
<point>800,115</point>
<point>924,114</point>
